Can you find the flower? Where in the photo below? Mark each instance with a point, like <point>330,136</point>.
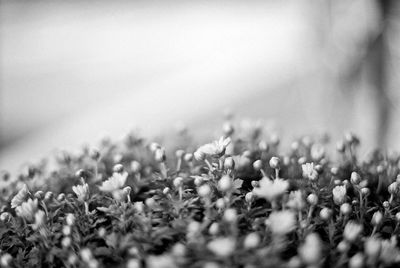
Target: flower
<point>222,247</point>
<point>115,182</point>
<point>281,222</point>
<point>271,189</point>
<point>317,151</point>
<point>20,197</point>
<point>309,172</point>
<point>81,191</point>
<point>252,240</point>
<point>339,194</point>
<point>310,251</point>
<point>352,230</point>
<point>214,149</point>
<point>40,220</point>
<point>27,209</point>
<point>161,261</point>
<point>296,200</point>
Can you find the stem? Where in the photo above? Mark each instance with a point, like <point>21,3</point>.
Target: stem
<point>361,206</point>
<point>180,193</point>
<point>263,173</point>
<point>209,165</point>
<point>178,164</point>
<point>163,169</point>
<point>86,208</point>
<point>276,173</point>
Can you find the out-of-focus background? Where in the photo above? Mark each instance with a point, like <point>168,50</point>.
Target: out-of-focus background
<point>74,71</point>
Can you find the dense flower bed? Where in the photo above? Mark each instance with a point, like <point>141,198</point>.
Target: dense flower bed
<point>239,201</point>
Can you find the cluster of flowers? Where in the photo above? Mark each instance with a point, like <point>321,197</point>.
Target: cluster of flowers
<point>239,201</point>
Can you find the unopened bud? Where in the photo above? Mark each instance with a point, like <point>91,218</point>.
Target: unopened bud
<point>5,216</point>
<point>166,190</point>
<point>252,240</point>
<point>179,154</point>
<point>357,261</point>
<point>213,229</point>
<point>377,218</point>
<point>178,181</point>
<point>204,190</point>
<point>229,163</point>
<point>159,155</point>
<point>48,196</point>
<point>118,168</point>
<point>220,203</point>
<point>70,219</point>
<point>227,129</point>
<point>275,162</point>
<point>249,197</point>
<point>61,197</point>
<point>39,195</point>
<point>225,183</point>
<point>355,178</point>
<point>255,184</point>
<point>393,188</point>
<point>94,154</point>
<point>325,214</point>
<point>365,191</point>
<point>257,165</point>
<point>230,215</point>
<point>312,199</point>
<point>188,157</point>
<point>346,209</point>
<point>150,203</point>
<point>135,166</point>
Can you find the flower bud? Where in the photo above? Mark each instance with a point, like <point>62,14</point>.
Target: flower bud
<point>214,228</point>
<point>229,163</point>
<point>225,183</point>
<point>339,194</point>
<point>204,190</point>
<point>66,230</point>
<point>393,188</point>
<point>70,219</point>
<point>154,146</point>
<point>255,184</point>
<point>198,181</point>
<point>249,197</point>
<point>346,209</point>
<point>352,230</point>
<point>139,207</point>
<point>159,155</point>
<point>386,205</point>
<point>178,182</point>
<point>377,218</point>
<point>257,165</point>
<point>357,261</point>
<point>365,191</point>
<point>66,242</point>
<point>227,129</point>
<point>179,154</point>
<point>48,196</point>
<point>263,146</point>
<point>230,215</point>
<point>397,216</point>
<point>178,250</point>
<point>312,199</point>
<point>135,166</point>
<point>220,203</point>
<point>325,214</point>
<point>150,203</point>
<point>302,160</point>
<point>61,197</point>
<point>310,252</point>
<point>188,157</point>
<point>166,190</point>
<point>102,232</point>
<point>118,168</point>
<point>355,178</point>
<point>274,139</point>
<point>275,162</point>
<point>5,260</point>
<point>372,247</point>
<point>5,216</point>
<point>334,170</point>
<point>380,169</point>
<point>39,195</point>
<point>343,246</point>
<point>252,240</point>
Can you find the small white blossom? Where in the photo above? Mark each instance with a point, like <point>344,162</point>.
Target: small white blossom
<point>339,194</point>
<point>20,197</point>
<point>296,200</point>
<point>40,220</point>
<point>309,172</point>
<point>281,222</point>
<point>214,149</point>
<point>252,240</point>
<point>271,189</point>
<point>81,191</point>
<point>310,252</point>
<point>115,182</point>
<point>352,230</point>
<point>222,247</point>
<point>27,210</point>
<point>317,151</point>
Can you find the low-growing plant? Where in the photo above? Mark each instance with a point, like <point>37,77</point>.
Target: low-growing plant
<point>240,201</point>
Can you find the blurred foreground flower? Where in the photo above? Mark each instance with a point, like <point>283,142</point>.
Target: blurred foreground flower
<point>281,222</point>
<point>271,189</point>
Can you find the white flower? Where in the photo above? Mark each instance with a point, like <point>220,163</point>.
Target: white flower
<point>20,197</point>
<point>352,230</point>
<point>309,172</point>
<point>27,210</point>
<point>214,149</point>
<point>40,220</point>
<point>115,182</point>
<point>389,252</point>
<point>252,240</point>
<point>296,200</point>
<point>310,251</point>
<point>271,189</point>
<point>281,222</point>
<point>317,152</point>
<point>339,194</point>
<point>222,247</point>
<point>161,261</point>
<point>81,191</point>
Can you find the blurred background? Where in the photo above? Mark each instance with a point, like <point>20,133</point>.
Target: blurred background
<point>74,71</point>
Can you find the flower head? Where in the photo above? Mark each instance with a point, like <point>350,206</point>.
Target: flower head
<point>27,209</point>
<point>271,189</point>
<point>309,172</point>
<point>214,149</point>
<point>40,220</point>
<point>296,200</point>
<point>352,230</point>
<point>310,252</point>
<point>281,222</point>
<point>339,194</point>
<point>20,197</point>
<point>222,247</point>
<point>81,191</point>
<point>114,183</point>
